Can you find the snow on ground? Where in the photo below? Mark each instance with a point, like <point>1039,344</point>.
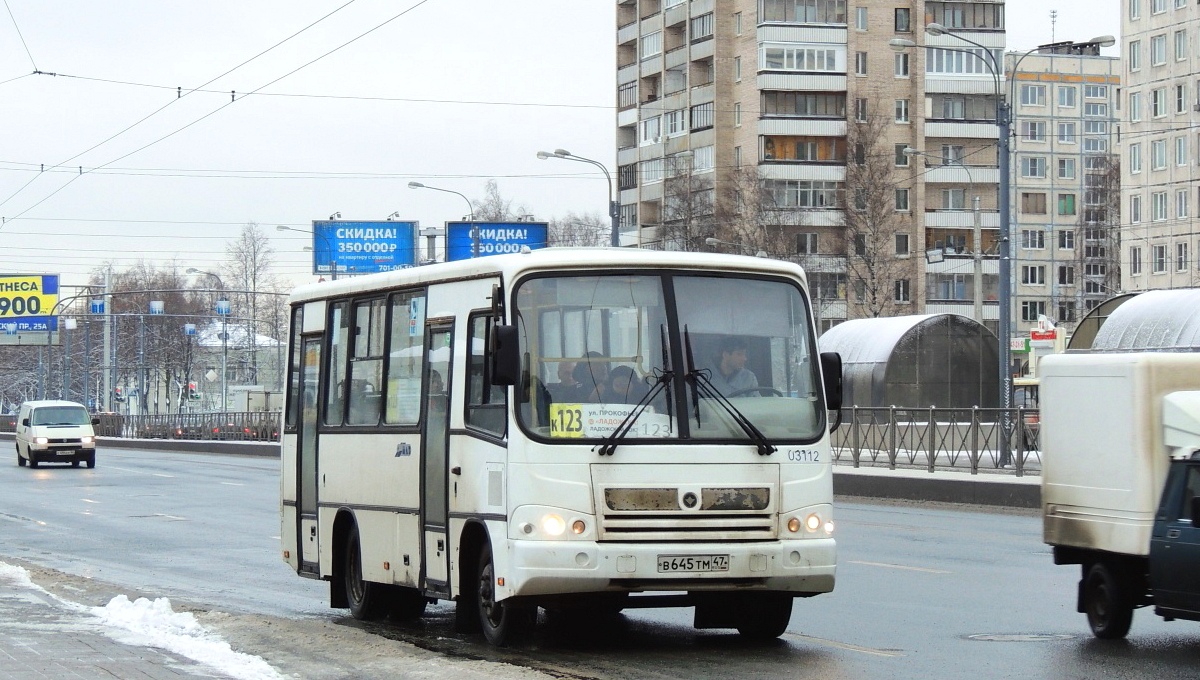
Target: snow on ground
<point>154,624</point>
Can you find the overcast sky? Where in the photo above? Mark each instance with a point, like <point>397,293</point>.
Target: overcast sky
<point>450,93</point>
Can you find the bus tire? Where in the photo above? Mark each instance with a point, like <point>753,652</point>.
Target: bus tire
<point>504,623</point>
<point>764,616</point>
<point>368,601</point>
<point>407,604</point>
<point>1107,602</point>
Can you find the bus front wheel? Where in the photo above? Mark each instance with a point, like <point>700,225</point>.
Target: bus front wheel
<point>367,600</point>
<point>504,623</point>
<point>764,616</point>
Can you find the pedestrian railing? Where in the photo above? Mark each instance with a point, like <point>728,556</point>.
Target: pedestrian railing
<point>939,438</point>
<point>235,426</point>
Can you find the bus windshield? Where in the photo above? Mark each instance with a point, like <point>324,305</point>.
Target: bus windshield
<point>683,356</point>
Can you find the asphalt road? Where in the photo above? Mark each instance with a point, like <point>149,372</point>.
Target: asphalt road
<point>929,592</point>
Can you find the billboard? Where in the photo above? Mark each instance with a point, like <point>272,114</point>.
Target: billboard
<point>348,247</point>
<point>27,302</point>
<point>495,238</point>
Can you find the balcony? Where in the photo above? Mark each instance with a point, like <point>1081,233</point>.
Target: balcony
<point>962,129</point>
<point>961,219</point>
<point>962,174</point>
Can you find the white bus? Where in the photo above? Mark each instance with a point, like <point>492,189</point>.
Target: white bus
<point>432,452</point>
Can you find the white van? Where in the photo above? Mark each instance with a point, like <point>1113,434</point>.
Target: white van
<point>55,432</point>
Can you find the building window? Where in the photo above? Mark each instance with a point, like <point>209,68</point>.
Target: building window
<point>1158,50</point>
<point>1135,260</point>
<point>737,158</point>
<point>1066,204</point>
<point>1135,158</point>
<point>1033,166</point>
<point>901,290</point>
<point>702,26</point>
<point>1158,102</point>
<point>1095,110</point>
<point>1066,275</point>
<point>901,157</point>
<point>965,60</point>
<point>652,45</point>
<point>737,23</point>
<point>901,110</point>
<point>953,154</point>
<point>1032,309</point>
<point>1033,95</point>
<point>787,57</point>
<point>737,68</point>
<point>801,104</point>
<point>1066,168</point>
<point>1066,311</point>
<point>1135,55</point>
<point>903,20</point>
<point>1181,257</point>
<point>650,131</point>
<point>1135,209</point>
<point>1033,203</point>
<point>1135,106</point>
<point>1158,6</point>
<point>1158,154</point>
<point>675,122</point>
<point>627,95</point>
<point>806,243</point>
<point>1181,151</point>
<point>652,170</point>
<point>809,12</point>
<point>1033,275</point>
<point>902,200</point>
<point>1033,239</point>
<point>702,116</point>
<point>1135,9</point>
<point>860,18</point>
<point>1066,239</point>
<point>1066,96</point>
<point>902,244</point>
<point>860,63</point>
<point>901,59</point>
<point>1066,133</point>
<point>1180,45</point>
<point>737,114</point>
<point>1158,259</point>
<point>954,199</point>
<point>1158,206</point>
<point>1095,92</point>
<point>1181,203</point>
<point>1033,130</point>
<point>792,193</point>
<point>860,110</point>
<point>1180,98</point>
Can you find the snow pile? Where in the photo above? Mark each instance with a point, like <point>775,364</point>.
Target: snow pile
<point>155,624</point>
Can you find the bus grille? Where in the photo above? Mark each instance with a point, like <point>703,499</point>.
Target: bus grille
<point>672,514</point>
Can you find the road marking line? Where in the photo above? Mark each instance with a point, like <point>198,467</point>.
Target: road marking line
<point>88,500</point>
<point>159,474</point>
<point>233,484</point>
<point>844,645</point>
<point>900,566</point>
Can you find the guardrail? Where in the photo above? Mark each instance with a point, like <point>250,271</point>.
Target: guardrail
<point>938,438</point>
<point>235,426</point>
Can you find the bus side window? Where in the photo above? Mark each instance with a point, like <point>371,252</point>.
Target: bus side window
<point>486,404</point>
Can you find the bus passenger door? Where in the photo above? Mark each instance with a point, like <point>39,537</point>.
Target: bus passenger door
<point>435,439</point>
<point>306,455</point>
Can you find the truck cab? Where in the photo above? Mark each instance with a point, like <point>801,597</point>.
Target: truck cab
<point>1175,542</point>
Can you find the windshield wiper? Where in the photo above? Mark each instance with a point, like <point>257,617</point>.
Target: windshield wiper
<point>703,387</point>
<point>663,378</point>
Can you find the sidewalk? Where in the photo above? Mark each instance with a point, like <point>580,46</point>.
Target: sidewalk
<point>45,638</point>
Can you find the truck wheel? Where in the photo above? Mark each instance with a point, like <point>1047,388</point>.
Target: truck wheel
<point>764,616</point>
<point>1106,601</point>
<point>367,600</point>
<point>504,623</point>
<point>20,460</point>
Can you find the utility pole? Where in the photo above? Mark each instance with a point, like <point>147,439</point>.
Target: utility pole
<point>106,367</point>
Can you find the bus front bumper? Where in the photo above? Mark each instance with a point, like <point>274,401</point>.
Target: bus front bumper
<point>538,568</point>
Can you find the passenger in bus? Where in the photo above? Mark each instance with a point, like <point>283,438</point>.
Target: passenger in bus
<point>626,387</point>
<point>592,375</point>
<point>730,374</point>
<point>567,386</point>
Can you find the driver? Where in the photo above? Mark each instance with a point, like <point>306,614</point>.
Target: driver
<point>731,375</point>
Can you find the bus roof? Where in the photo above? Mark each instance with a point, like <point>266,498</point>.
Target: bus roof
<point>545,259</point>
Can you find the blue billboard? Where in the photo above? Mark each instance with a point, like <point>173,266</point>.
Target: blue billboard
<point>495,238</point>
<point>363,247</point>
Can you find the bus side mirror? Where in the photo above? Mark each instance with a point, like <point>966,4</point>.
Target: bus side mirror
<point>506,355</point>
<point>831,372</point>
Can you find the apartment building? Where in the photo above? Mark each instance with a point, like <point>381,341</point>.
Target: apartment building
<point>800,128</point>
<point>1066,182</point>
<point>1160,144</point>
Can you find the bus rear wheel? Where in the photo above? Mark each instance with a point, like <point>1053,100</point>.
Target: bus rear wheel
<point>368,601</point>
<point>504,623</point>
<point>764,616</point>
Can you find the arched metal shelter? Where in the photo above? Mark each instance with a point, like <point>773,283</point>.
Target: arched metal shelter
<point>942,360</point>
<point>1090,324</point>
<point>1163,320</point>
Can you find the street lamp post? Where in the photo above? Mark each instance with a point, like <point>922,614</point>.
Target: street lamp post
<point>976,232</point>
<point>470,211</point>
<point>328,248</point>
<point>614,206</point>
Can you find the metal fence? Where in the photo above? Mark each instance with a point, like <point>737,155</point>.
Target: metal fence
<point>236,426</point>
<point>940,438</point>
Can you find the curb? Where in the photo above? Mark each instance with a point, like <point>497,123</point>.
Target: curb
<point>234,448</point>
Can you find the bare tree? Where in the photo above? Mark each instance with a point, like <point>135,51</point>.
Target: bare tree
<point>248,274</point>
<point>494,207</point>
<point>1098,238</point>
<point>880,280</point>
<point>591,229</point>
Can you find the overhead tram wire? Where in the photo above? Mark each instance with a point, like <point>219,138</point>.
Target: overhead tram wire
<point>147,117</point>
<point>21,36</point>
<point>211,113</point>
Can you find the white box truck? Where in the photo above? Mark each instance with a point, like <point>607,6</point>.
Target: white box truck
<point>1121,481</point>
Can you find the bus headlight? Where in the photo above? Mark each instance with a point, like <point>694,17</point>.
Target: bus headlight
<point>811,522</point>
<point>553,525</point>
<point>539,522</point>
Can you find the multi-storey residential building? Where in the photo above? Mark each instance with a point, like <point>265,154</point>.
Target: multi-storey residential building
<point>1160,144</point>
<point>1066,182</point>
<point>782,125</point>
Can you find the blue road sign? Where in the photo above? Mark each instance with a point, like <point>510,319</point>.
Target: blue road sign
<point>223,307</point>
<point>97,306</point>
<point>363,247</point>
<point>495,238</point>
